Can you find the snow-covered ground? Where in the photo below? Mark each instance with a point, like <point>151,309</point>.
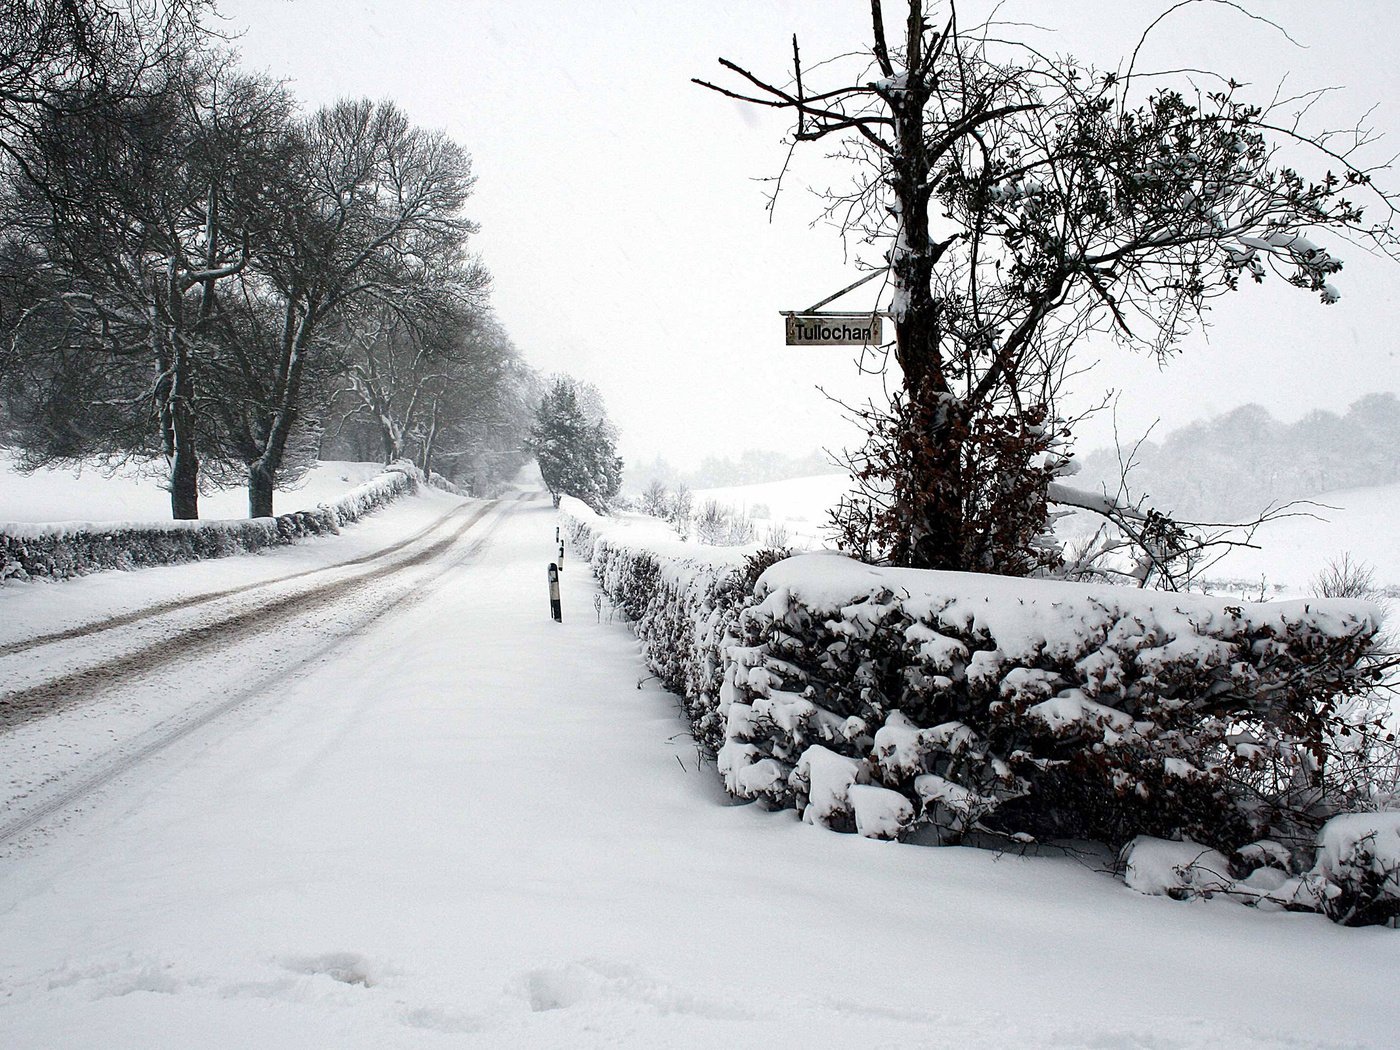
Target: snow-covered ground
<point>1292,550</point>
<point>461,824</point>
<point>800,506</point>
<point>89,493</point>
<point>1364,523</point>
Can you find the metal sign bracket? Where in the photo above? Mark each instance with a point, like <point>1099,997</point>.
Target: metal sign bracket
<point>832,298</point>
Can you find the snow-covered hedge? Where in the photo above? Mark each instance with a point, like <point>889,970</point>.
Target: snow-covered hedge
<point>882,701</point>
<point>74,548</point>
<point>681,599</point>
<point>437,481</point>
<point>1354,878</point>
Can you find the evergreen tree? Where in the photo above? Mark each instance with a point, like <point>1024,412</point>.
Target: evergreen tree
<point>577,456</point>
<point>607,463</point>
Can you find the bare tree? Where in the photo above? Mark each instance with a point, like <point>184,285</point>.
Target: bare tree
<point>405,374</point>
<point>393,372</point>
<point>1024,201</point>
<point>1345,577</point>
<point>655,498</point>
<point>79,57</point>
<point>477,424</point>
<point>130,214</point>
<point>371,215</point>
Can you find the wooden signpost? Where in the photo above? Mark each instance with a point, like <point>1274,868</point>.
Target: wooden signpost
<point>832,329</point>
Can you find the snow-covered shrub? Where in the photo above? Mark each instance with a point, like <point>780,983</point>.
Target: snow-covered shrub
<point>681,600</point>
<point>679,509</point>
<point>719,525</point>
<point>880,701</point>
<point>1033,707</point>
<point>65,549</point>
<point>437,481</point>
<point>1356,879</point>
<point>654,499</point>
<point>1174,869</point>
<point>1345,577</point>
<point>397,479</point>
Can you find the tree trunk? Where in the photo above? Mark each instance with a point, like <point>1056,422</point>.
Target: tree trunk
<point>936,534</point>
<point>263,471</point>
<point>177,412</point>
<point>429,440</point>
<point>260,484</point>
<point>184,487</point>
<point>165,401</point>
<point>184,462</point>
<point>932,446</point>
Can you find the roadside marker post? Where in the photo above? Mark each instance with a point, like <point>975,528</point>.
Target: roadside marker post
<point>561,557</point>
<point>555,609</point>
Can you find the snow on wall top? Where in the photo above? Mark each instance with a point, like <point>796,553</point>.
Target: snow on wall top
<point>89,492</point>
<point>38,530</point>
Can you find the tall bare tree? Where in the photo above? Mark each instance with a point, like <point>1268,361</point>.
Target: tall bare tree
<point>75,57</point>
<point>403,369</point>
<point>371,215</point>
<point>132,213</point>
<point>1024,201</point>
<point>476,427</point>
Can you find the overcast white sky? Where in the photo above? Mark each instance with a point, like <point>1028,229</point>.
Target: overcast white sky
<point>630,246</point>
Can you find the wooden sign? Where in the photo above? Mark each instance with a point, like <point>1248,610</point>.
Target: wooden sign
<point>828,329</point>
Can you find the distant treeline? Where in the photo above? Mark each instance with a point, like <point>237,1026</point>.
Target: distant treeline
<point>1237,464</point>
<point>753,467</point>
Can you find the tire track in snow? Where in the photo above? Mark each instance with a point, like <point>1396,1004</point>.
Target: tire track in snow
<point>100,771</point>
<point>20,706</point>
<point>176,605</point>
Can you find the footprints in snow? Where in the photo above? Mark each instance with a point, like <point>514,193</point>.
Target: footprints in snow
<point>577,984</point>
<point>593,987</point>
<point>345,967</point>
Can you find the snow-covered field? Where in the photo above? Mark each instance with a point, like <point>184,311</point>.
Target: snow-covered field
<point>1364,523</point>
<point>461,824</point>
<point>91,494</point>
<point>799,506</point>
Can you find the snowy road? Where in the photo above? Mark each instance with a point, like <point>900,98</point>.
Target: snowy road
<point>84,703</point>
<point>389,803</point>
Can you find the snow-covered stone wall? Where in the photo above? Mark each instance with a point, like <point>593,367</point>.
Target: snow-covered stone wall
<point>74,548</point>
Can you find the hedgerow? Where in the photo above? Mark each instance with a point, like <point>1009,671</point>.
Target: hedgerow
<point>890,702</point>
<point>67,549</point>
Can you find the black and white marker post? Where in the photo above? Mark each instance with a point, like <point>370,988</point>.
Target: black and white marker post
<point>556,610</point>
